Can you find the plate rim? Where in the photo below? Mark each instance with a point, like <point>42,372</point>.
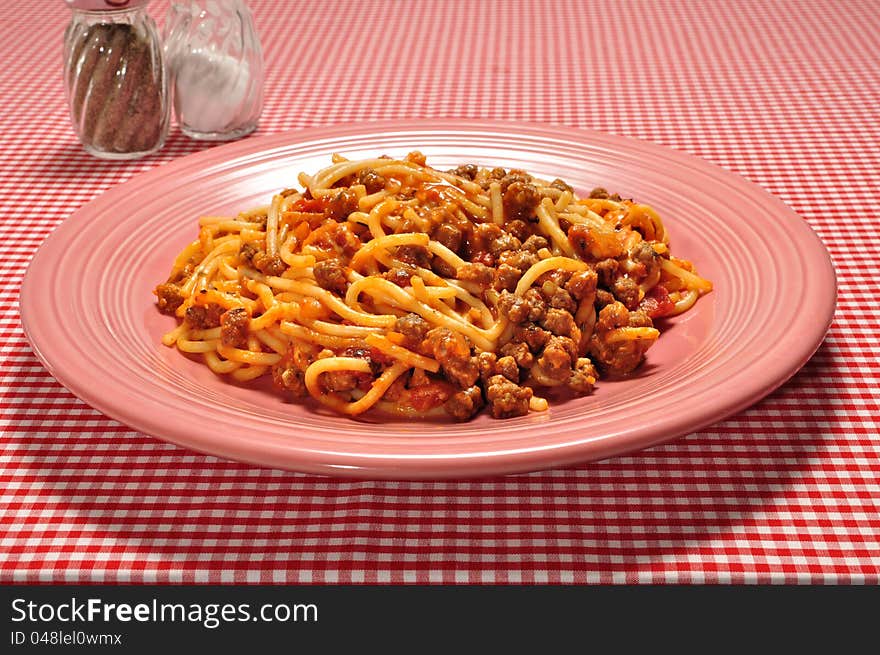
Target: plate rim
<point>396,467</point>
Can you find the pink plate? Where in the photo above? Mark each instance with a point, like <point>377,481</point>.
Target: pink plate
<point>773,301</point>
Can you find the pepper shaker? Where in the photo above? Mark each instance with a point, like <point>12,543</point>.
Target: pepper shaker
<point>115,78</point>
<point>216,67</point>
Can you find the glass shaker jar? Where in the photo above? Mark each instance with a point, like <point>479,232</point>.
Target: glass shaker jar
<point>215,63</point>
<point>115,78</point>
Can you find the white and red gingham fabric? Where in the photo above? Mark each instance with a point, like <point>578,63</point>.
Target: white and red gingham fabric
<point>788,491</point>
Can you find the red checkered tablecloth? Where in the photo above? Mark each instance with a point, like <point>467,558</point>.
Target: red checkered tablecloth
<point>785,94</point>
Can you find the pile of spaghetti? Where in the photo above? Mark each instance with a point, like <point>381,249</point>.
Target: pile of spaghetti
<point>388,284</point>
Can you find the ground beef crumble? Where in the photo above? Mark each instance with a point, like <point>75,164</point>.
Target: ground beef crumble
<point>330,275</point>
<point>169,298</point>
<point>464,404</point>
<point>507,399</point>
<point>413,328</point>
<point>268,264</point>
<point>204,317</point>
<point>453,352</point>
<point>234,327</point>
<point>620,357</point>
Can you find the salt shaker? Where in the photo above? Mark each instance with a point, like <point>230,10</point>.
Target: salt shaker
<point>216,67</point>
<point>115,78</point>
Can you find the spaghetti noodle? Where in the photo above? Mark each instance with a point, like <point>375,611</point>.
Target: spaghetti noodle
<point>387,283</point>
